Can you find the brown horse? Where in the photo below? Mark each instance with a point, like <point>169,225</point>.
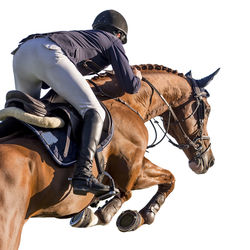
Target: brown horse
<point>32,184</point>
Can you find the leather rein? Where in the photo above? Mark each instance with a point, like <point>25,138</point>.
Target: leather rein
<point>200,110</point>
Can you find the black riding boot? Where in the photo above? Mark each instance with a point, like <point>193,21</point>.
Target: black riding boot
<point>83,180</point>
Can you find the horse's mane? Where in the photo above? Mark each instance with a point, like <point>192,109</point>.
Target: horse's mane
<point>142,67</point>
<point>109,88</point>
<point>156,67</point>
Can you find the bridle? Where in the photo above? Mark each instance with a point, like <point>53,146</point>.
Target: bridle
<point>200,110</point>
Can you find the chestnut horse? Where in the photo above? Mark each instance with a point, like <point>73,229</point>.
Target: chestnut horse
<point>32,184</point>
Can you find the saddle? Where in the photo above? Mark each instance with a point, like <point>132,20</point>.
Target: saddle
<point>61,142</point>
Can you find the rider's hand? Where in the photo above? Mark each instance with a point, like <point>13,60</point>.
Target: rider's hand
<point>137,73</point>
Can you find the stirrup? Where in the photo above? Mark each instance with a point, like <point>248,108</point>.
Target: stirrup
<point>113,190</point>
<point>104,195</point>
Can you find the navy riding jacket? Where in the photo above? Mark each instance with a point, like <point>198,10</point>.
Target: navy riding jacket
<point>100,47</point>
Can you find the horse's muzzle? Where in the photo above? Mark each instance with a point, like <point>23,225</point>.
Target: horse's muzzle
<point>202,164</point>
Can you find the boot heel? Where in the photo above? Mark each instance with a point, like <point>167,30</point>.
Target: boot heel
<point>77,187</point>
<point>79,192</point>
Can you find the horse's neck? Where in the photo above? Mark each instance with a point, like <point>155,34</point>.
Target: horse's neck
<point>174,88</point>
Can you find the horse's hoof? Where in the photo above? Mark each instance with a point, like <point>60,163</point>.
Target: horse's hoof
<point>128,221</point>
<point>85,218</point>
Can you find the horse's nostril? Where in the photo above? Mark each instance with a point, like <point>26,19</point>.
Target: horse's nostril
<point>211,163</point>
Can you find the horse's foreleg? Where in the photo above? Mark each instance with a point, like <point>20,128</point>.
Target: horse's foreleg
<point>129,168</point>
<point>107,212</point>
<point>149,211</point>
<point>103,215</point>
<point>151,175</point>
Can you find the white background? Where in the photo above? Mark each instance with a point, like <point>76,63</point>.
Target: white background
<point>208,211</point>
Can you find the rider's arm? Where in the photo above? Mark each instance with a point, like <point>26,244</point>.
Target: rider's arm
<point>125,76</point>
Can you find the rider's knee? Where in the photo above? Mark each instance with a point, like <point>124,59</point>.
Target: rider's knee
<point>96,112</point>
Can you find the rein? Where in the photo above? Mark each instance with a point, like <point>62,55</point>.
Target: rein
<point>171,112</point>
<point>199,109</point>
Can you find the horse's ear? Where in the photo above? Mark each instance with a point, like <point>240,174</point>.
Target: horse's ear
<point>202,83</point>
<point>189,74</point>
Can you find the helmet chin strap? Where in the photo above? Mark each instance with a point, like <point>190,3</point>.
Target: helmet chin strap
<point>121,37</point>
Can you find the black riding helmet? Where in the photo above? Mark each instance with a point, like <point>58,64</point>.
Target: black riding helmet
<point>113,22</point>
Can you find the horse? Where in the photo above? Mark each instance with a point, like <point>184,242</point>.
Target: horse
<point>33,185</point>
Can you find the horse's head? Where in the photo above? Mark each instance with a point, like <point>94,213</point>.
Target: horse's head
<point>189,127</point>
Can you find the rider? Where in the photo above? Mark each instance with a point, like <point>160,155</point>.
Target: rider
<point>59,59</point>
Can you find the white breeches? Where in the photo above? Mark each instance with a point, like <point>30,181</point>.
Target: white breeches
<point>40,60</point>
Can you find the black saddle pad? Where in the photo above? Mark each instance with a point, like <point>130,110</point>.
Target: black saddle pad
<point>60,142</point>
